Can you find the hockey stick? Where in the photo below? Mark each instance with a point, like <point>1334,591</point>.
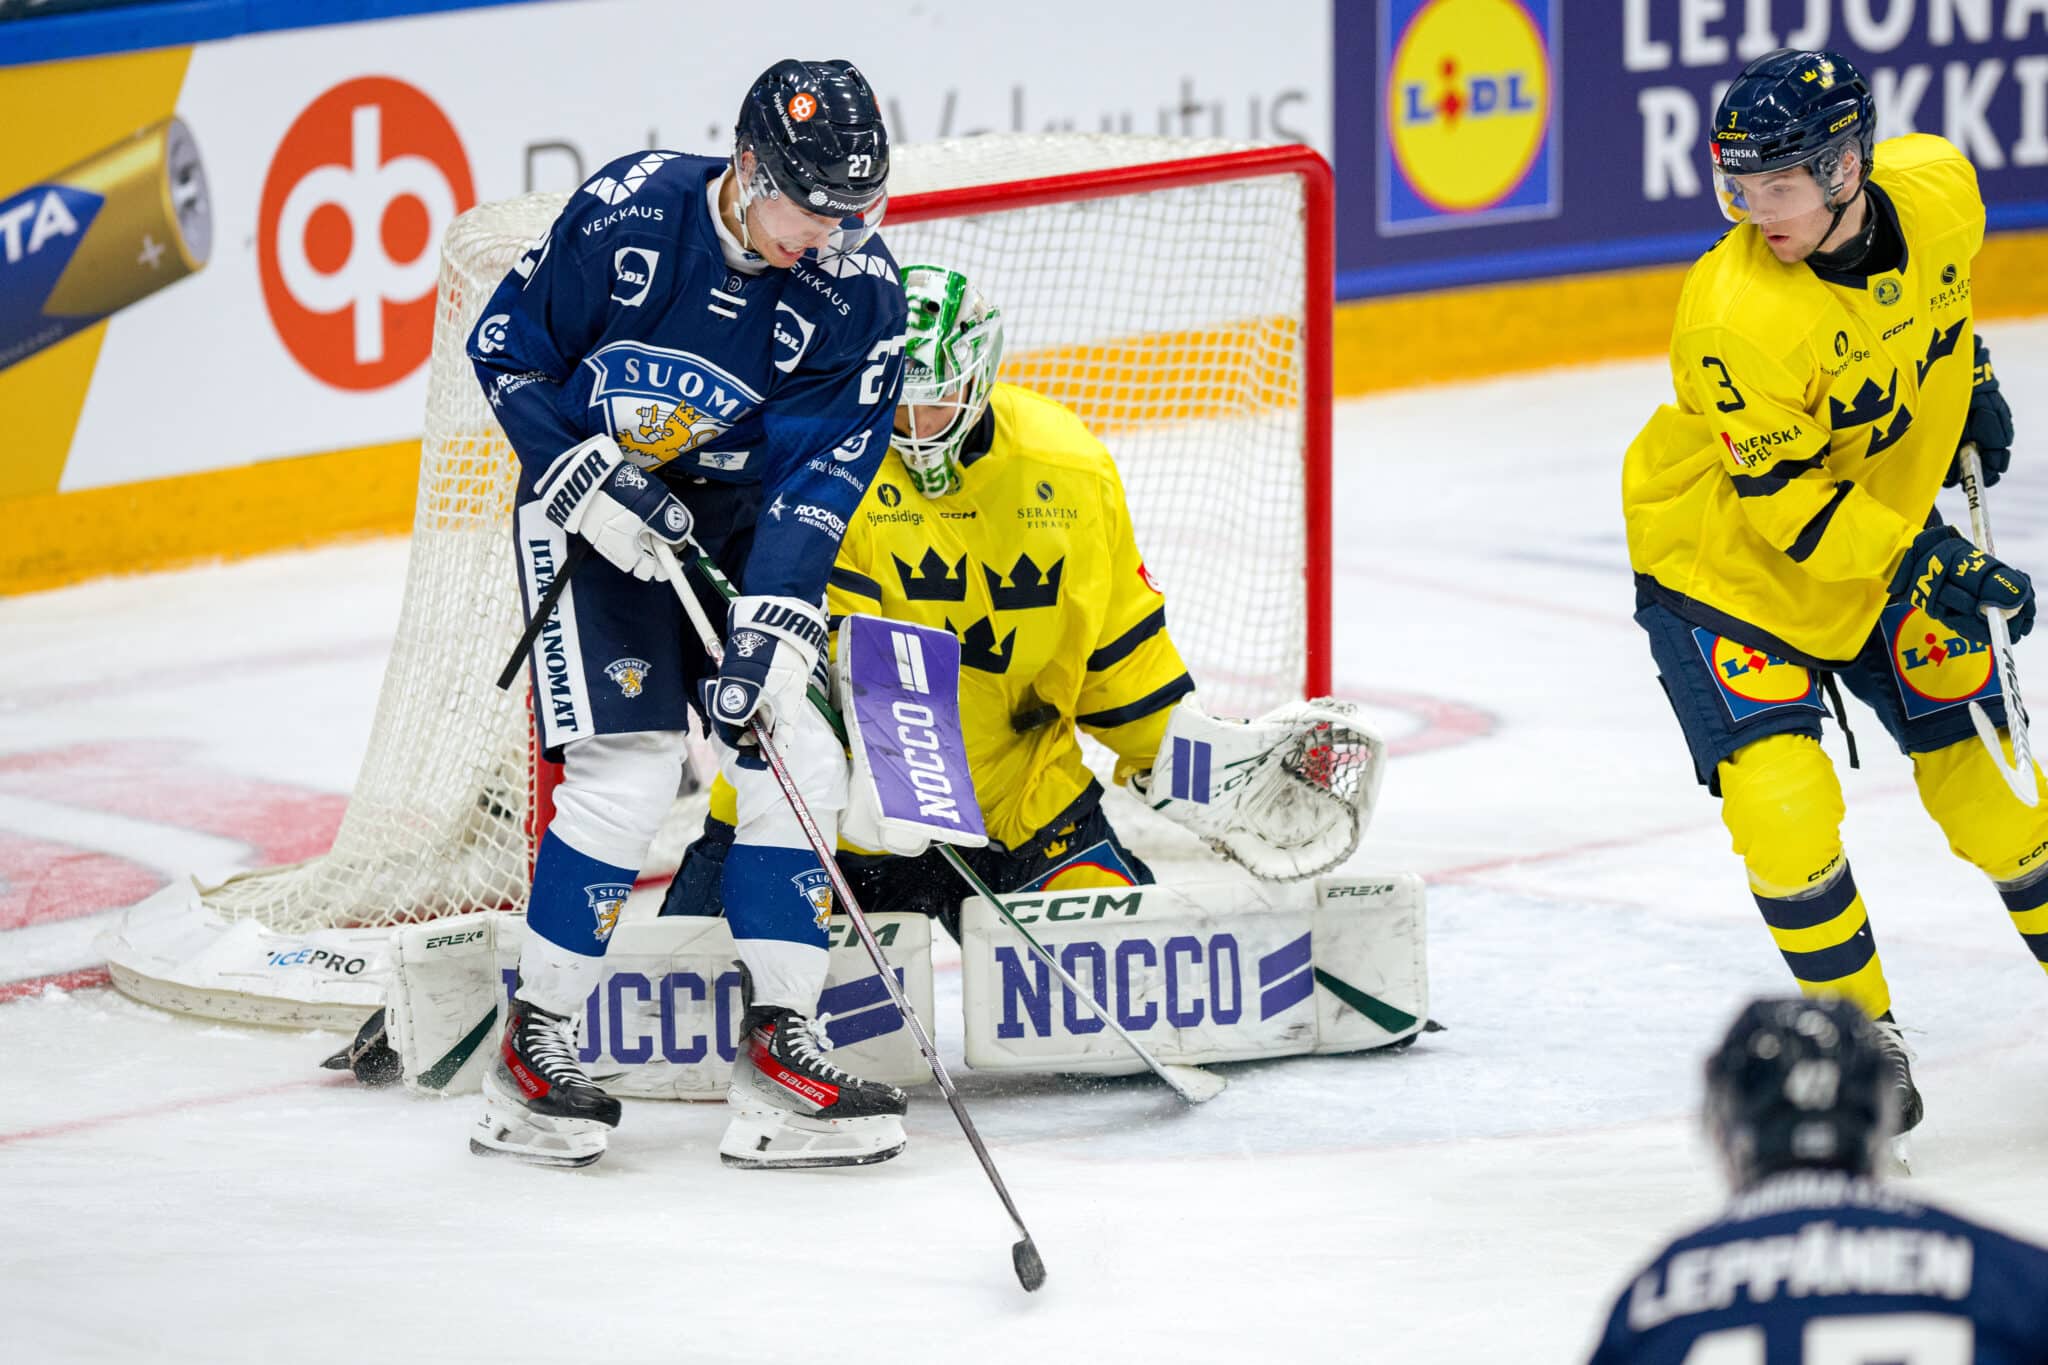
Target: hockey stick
<point>2019,774</point>
<point>577,552</point>
<point>1024,1255</point>
<point>1191,1083</point>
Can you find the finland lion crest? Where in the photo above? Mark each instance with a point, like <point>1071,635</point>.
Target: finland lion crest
<point>606,900</point>
<point>816,888</point>
<point>629,674</point>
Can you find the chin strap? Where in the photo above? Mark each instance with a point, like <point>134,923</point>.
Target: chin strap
<point>1849,254</point>
<point>744,195</point>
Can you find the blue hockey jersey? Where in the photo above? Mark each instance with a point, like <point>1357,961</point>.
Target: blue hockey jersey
<point>1812,1267</point>
<point>625,318</point>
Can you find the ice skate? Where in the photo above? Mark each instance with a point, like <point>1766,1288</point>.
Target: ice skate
<point>793,1108</point>
<point>1894,1042</point>
<point>539,1105</point>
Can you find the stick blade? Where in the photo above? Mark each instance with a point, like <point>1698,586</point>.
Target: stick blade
<point>2018,776</point>
<point>1191,1083</point>
<point>1030,1269</point>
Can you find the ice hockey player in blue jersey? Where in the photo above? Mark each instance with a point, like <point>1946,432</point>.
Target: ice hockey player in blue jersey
<point>709,350</point>
<point>1814,1262</point>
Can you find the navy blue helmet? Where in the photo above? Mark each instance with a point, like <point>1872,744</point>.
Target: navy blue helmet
<point>816,131</point>
<point>1791,108</point>
<point>1799,1082</point>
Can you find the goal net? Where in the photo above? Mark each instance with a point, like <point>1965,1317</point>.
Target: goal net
<point>1175,293</point>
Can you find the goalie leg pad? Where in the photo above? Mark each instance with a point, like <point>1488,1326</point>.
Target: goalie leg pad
<point>1199,972</point>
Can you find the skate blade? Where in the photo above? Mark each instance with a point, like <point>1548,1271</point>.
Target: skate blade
<point>1901,1152</point>
<point>774,1140</point>
<point>533,1156</point>
<point>799,1163</point>
<point>507,1128</point>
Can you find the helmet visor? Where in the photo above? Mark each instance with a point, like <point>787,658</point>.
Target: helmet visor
<point>803,229</point>
<point>1768,196</point>
<point>853,231</point>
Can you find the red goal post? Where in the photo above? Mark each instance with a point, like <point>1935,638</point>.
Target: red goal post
<point>1176,293</point>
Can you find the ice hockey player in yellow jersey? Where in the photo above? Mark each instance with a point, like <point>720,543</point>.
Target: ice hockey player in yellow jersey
<point>1781,519</point>
<point>997,516</point>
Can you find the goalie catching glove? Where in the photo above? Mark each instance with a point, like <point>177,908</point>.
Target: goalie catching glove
<point>1287,794</point>
<point>590,490</point>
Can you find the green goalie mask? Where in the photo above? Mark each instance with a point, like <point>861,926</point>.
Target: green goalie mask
<point>954,346</point>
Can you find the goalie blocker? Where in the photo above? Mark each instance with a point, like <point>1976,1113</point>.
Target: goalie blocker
<point>1200,972</point>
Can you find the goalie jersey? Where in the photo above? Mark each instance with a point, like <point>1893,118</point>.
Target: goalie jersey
<point>1034,566</point>
<point>626,319</point>
<point>1817,413</point>
<point>1814,1265</point>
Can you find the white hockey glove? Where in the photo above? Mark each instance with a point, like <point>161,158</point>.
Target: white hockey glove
<point>1287,794</point>
<point>590,490</point>
<point>771,650</point>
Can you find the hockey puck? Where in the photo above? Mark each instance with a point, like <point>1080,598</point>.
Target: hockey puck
<point>1030,1270</point>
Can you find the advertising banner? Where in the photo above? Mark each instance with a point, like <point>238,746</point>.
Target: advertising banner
<point>1483,140</point>
<point>261,258</point>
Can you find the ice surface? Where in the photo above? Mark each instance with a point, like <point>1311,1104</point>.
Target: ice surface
<point>179,1191</point>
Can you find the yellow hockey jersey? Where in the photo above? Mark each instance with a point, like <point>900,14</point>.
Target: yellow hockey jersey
<point>1816,415</point>
<point>1033,565</point>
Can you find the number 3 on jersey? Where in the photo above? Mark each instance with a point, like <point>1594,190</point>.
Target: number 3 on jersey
<point>1734,394</point>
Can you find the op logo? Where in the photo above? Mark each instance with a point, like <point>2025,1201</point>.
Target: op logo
<point>1469,128</point>
<point>364,183</point>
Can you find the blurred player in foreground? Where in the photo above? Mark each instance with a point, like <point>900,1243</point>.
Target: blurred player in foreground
<point>1781,512</point>
<point>1814,1262</point>
<point>1015,535</point>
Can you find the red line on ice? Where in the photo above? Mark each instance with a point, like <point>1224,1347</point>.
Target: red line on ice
<point>172,1107</point>
<point>83,979</point>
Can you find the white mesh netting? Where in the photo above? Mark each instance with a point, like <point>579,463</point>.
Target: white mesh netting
<point>1170,318</point>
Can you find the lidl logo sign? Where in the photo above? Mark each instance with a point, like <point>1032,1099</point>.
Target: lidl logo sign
<point>1935,667</point>
<point>1753,680</point>
<point>1469,111</point>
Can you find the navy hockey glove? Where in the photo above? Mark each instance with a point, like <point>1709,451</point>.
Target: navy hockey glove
<point>590,490</point>
<point>1953,581</point>
<point>1989,424</point>
<point>771,647</point>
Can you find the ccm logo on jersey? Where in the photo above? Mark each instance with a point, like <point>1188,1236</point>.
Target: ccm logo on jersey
<point>633,267</point>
